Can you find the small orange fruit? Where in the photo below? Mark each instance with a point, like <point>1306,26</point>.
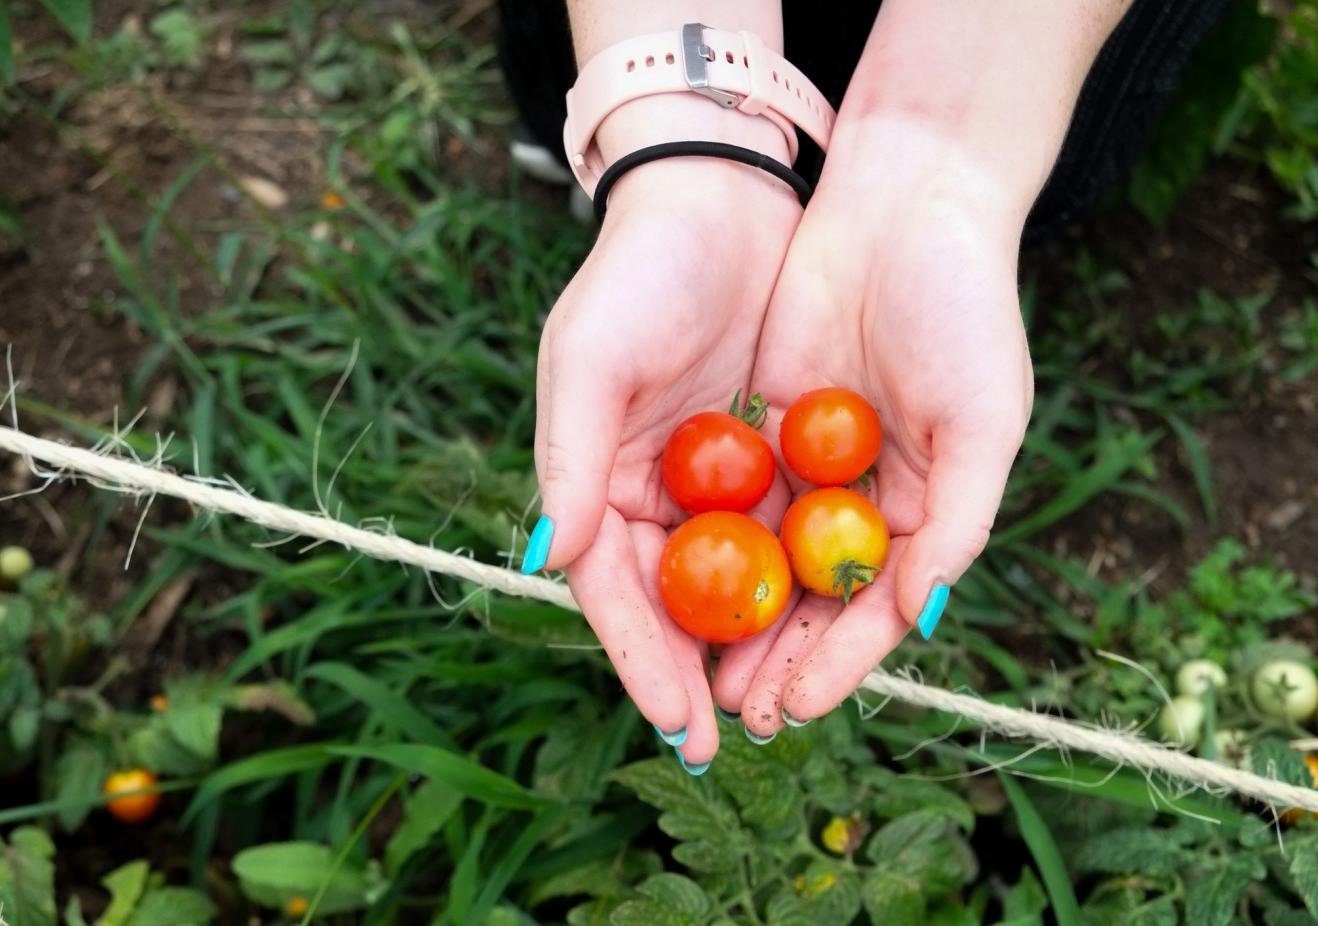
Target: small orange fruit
<point>132,808</point>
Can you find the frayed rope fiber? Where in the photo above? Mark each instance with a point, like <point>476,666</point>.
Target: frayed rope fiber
<point>1120,747</point>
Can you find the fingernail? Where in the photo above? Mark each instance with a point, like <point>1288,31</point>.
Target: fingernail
<point>933,610</point>
<point>759,740</point>
<point>695,771</point>
<point>537,547</point>
<point>792,721</point>
<point>672,739</point>
<point>729,716</point>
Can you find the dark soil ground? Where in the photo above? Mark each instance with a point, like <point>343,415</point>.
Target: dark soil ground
<point>71,355</point>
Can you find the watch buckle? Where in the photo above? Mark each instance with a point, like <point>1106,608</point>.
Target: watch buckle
<point>696,56</point>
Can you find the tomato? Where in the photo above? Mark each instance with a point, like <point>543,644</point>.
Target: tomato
<point>1182,720</point>
<point>714,461</point>
<point>134,808</point>
<point>1286,690</point>
<point>835,540</point>
<point>830,437</point>
<point>1198,675</point>
<point>296,906</point>
<point>724,577</point>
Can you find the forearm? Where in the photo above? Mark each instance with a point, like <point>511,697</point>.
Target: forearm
<point>997,80</point>
<point>597,24</point>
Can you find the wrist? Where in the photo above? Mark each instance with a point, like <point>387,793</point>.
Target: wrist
<point>705,194</point>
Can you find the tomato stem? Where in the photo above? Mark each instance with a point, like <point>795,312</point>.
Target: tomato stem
<point>848,574</point>
<point>753,411</point>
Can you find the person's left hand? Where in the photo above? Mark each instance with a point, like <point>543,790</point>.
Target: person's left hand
<point>900,284</point>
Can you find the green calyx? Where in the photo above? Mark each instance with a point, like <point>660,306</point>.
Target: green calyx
<point>849,574</point>
<point>753,411</point>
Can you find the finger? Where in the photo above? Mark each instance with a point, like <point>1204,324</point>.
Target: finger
<point>689,654</point>
<point>962,495</point>
<point>762,710</point>
<point>864,633</point>
<point>740,661</point>
<point>606,581</point>
<point>578,427</point>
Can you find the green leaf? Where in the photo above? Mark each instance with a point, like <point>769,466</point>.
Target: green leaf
<point>27,878</point>
<point>196,727</point>
<point>1200,467</point>
<point>79,773</point>
<point>74,15</point>
<point>1043,848</point>
<point>425,814</point>
<point>457,771</point>
<point>24,723</point>
<point>827,894</point>
<point>924,845</point>
<point>264,766</point>
<point>273,874</point>
<point>1025,902</point>
<point>898,794</point>
<point>390,705</point>
<point>1212,894</point>
<point>126,885</point>
<point>182,36</point>
<point>677,893</point>
<point>173,906</point>
<point>1129,851</point>
<point>1274,758</point>
<point>707,827</point>
<point>6,76</point>
<point>892,898</point>
<point>646,913</point>
<point>1304,869</point>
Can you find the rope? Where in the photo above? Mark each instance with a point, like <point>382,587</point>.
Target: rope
<point>1120,747</point>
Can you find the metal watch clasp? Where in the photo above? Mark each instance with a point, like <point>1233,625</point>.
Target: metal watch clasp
<point>696,56</point>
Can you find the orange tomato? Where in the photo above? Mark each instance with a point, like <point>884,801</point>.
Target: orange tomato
<point>830,436</point>
<point>724,577</point>
<point>132,808</point>
<point>296,906</point>
<point>835,540</point>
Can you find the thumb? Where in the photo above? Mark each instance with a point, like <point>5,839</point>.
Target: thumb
<point>578,427</point>
<point>962,493</point>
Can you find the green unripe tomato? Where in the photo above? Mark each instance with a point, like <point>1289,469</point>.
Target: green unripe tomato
<point>1286,690</point>
<point>1181,721</point>
<point>1232,748</point>
<point>15,562</point>
<point>1198,675</point>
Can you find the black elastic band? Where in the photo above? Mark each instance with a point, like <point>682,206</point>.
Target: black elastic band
<point>698,149</point>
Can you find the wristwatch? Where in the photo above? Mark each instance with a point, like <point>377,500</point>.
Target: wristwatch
<point>732,69</point>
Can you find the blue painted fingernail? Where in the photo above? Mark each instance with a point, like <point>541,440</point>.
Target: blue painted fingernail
<point>729,716</point>
<point>537,547</point>
<point>759,740</point>
<point>695,771</point>
<point>933,610</point>
<point>672,739</point>
<point>792,721</point>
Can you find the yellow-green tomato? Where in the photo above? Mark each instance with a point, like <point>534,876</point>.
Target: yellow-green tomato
<point>1181,721</point>
<point>15,562</point>
<point>1198,675</point>
<point>1286,690</point>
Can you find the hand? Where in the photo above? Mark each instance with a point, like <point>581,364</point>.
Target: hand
<point>900,284</point>
<point>661,322</point>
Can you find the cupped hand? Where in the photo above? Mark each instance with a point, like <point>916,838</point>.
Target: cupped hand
<point>661,322</point>
<point>901,285</point>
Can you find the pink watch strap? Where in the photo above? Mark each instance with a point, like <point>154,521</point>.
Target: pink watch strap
<point>733,69</point>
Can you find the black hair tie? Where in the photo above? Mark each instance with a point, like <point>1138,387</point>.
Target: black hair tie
<point>699,149</point>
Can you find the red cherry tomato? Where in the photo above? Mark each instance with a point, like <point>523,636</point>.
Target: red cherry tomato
<point>717,462</point>
<point>830,436</point>
<point>724,577</point>
<point>835,540</point>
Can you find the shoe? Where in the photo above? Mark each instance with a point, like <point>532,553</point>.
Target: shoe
<point>535,160</point>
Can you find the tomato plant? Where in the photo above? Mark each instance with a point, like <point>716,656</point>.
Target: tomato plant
<point>835,540</point>
<point>717,461</point>
<point>830,436</point>
<point>132,808</point>
<point>724,577</point>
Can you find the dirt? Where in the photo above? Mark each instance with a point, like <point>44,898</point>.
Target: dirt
<point>1225,236</point>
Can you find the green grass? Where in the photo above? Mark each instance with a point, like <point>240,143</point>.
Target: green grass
<point>398,749</point>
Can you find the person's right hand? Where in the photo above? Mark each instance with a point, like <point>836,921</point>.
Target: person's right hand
<point>661,322</point>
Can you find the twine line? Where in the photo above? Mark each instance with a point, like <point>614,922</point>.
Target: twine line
<point>1121,747</point>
